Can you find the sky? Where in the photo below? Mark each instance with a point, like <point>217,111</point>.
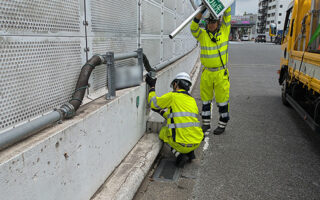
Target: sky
<point>249,6</point>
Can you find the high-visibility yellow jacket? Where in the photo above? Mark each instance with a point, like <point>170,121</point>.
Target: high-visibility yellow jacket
<point>182,112</point>
<point>209,50</point>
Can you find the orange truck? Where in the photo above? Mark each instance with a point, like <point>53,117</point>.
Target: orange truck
<point>299,73</point>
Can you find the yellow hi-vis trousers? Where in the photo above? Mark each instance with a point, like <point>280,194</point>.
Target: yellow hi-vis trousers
<point>215,83</point>
<point>181,148</point>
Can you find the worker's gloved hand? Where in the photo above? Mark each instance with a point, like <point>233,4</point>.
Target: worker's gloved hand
<point>150,80</point>
<point>155,110</point>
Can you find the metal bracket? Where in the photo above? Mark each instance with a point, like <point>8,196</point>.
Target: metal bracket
<point>110,76</point>
<point>85,23</point>
<point>140,60</point>
<point>68,110</point>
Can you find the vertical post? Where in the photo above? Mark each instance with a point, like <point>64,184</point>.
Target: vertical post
<point>139,23</point>
<point>110,76</point>
<point>140,61</point>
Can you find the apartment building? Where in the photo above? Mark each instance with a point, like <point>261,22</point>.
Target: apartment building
<point>271,11</point>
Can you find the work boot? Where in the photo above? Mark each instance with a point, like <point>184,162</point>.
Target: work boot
<point>206,130</point>
<point>182,159</point>
<point>191,156</point>
<point>218,130</point>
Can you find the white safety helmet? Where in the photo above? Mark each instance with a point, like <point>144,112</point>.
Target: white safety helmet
<point>184,79</point>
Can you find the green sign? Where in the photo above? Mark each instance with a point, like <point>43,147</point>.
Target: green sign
<point>216,5</point>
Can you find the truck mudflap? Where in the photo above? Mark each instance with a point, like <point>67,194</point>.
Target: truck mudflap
<point>310,121</point>
<point>283,74</point>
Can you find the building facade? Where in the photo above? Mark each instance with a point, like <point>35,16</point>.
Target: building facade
<point>271,11</point>
<point>233,9</point>
<point>243,26</point>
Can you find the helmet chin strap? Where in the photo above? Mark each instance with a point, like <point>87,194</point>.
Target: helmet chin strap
<point>213,39</point>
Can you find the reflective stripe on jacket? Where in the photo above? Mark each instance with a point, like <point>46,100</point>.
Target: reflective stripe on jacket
<point>209,50</point>
<point>181,115</point>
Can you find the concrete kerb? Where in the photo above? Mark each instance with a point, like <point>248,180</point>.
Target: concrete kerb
<point>126,179</point>
<point>124,182</point>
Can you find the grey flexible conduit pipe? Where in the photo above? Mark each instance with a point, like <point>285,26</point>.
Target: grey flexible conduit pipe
<point>67,110</point>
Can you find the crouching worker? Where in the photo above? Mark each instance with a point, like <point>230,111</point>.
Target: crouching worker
<point>183,132</point>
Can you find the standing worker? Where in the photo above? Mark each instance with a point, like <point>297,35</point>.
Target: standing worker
<point>215,75</point>
<point>183,132</point>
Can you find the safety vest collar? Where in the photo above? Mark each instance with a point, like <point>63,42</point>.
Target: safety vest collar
<point>182,91</point>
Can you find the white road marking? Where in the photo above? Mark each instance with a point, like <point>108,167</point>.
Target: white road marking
<point>206,143</point>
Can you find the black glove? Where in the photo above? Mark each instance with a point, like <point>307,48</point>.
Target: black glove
<point>151,81</point>
<point>155,110</point>
<point>204,10</point>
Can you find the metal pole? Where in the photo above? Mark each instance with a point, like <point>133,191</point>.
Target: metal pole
<point>19,133</point>
<point>189,19</point>
<point>110,76</point>
<point>125,56</point>
<point>140,61</point>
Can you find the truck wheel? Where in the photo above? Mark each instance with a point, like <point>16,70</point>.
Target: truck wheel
<point>284,93</point>
<point>316,114</point>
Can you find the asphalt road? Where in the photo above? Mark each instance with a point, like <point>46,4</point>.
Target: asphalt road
<point>267,151</point>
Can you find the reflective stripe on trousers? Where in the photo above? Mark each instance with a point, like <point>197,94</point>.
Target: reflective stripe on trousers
<point>206,110</point>
<point>224,111</point>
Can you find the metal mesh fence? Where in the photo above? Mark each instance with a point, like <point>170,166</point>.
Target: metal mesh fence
<point>43,45</point>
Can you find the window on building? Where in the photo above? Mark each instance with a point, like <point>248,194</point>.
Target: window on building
<point>268,15</point>
<point>268,22</point>
<point>280,14</point>
<point>272,21</point>
<point>279,22</point>
<point>281,6</point>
